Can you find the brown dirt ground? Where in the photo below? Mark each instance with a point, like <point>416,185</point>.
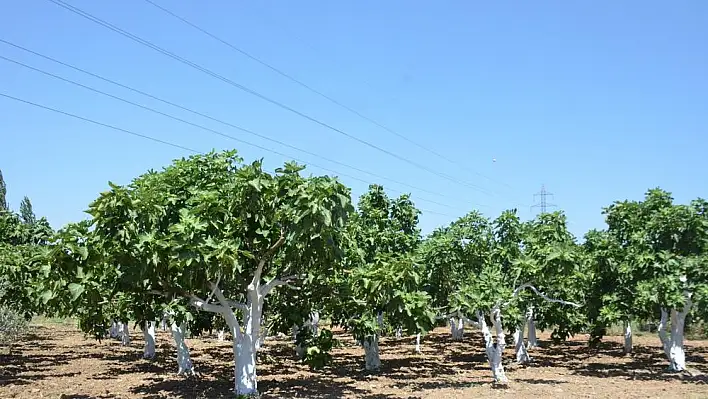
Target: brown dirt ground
<point>56,361</point>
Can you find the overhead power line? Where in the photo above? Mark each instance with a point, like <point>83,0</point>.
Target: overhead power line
<point>315,91</point>
<point>185,61</point>
<point>211,130</point>
<point>378,176</point>
<point>154,139</point>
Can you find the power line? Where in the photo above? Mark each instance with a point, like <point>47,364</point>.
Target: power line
<point>542,204</point>
<point>206,128</point>
<point>313,90</point>
<point>205,116</point>
<point>147,137</point>
<point>185,61</point>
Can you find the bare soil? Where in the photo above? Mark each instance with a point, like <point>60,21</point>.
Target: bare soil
<point>56,361</point>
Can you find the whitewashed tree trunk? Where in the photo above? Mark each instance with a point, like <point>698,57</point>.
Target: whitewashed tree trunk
<point>113,332</point>
<point>299,349</point>
<point>380,320</point>
<point>522,354</point>
<point>495,350</point>
<point>417,343</point>
<point>530,320</point>
<point>149,337</point>
<point>627,336</point>
<point>221,335</point>
<point>457,328</point>
<point>315,322</point>
<point>184,362</point>
<point>399,332</point>
<point>164,322</point>
<point>124,334</point>
<point>673,346</point>
<point>371,352</point>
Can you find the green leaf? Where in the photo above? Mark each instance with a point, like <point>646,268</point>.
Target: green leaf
<point>76,290</point>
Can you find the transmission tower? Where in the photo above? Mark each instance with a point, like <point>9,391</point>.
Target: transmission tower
<point>543,204</point>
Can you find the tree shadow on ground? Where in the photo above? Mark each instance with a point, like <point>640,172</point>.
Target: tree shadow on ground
<point>645,363</point>
<point>23,366</point>
<point>316,387</point>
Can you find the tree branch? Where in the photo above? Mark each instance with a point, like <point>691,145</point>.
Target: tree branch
<point>218,280</point>
<point>266,289</point>
<point>229,316</point>
<point>203,305</point>
<point>542,295</point>
<point>269,253</point>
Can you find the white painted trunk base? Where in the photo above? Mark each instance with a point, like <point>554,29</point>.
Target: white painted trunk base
<point>522,354</point>
<point>495,350</point>
<point>627,337</point>
<point>221,335</point>
<point>673,345</point>
<point>124,334</point>
<point>399,332</point>
<point>149,338</point>
<point>245,376</point>
<point>417,343</point>
<point>315,322</point>
<point>113,332</point>
<point>530,320</point>
<point>184,363</point>
<point>457,328</point>
<point>371,353</point>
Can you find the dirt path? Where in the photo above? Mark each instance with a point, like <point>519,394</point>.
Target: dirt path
<point>56,361</point>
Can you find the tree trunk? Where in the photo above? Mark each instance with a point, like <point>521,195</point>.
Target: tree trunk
<point>627,336</point>
<point>522,354</point>
<point>495,350</point>
<point>221,335</point>
<point>371,353</point>
<point>457,328</point>
<point>399,332</point>
<point>673,346</point>
<point>184,362</point>
<point>417,343</point>
<point>149,337</point>
<point>530,320</point>
<point>124,334</point>
<point>315,322</point>
<point>113,332</point>
<point>299,349</point>
<point>245,364</point>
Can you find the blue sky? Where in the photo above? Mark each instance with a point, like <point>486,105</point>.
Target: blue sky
<point>599,101</point>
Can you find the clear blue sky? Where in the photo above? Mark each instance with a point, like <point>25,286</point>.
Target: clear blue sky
<point>597,100</point>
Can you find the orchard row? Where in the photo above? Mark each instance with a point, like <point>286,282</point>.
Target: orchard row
<point>213,243</point>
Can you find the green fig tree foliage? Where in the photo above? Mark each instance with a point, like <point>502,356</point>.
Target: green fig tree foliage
<point>663,254</point>
<point>382,280</point>
<point>513,271</point>
<point>454,255</point>
<point>554,263</point>
<point>223,235</point>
